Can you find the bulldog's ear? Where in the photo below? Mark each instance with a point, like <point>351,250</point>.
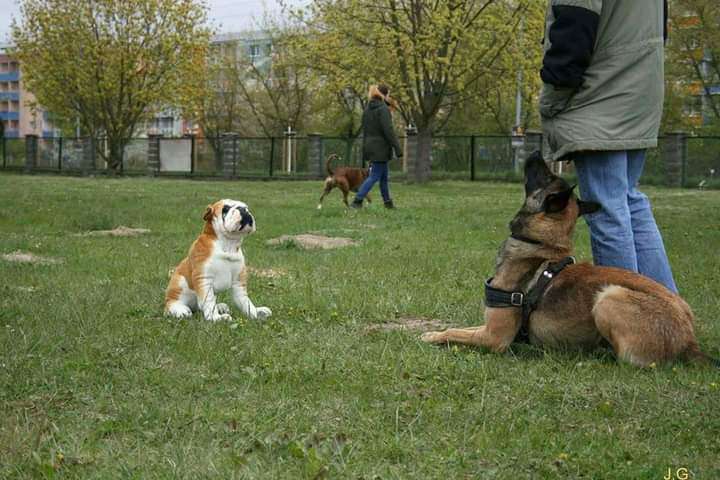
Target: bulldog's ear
<point>208,213</point>
<point>588,207</point>
<point>557,202</point>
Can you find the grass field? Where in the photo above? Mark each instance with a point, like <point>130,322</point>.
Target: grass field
<point>95,383</point>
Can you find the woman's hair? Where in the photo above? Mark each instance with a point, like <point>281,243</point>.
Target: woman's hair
<point>375,92</point>
<point>381,92</point>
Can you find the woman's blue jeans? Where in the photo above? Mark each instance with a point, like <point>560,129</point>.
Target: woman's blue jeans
<point>378,173</point>
<point>623,233</point>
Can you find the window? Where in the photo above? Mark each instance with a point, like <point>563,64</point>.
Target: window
<point>166,123</point>
<point>254,51</point>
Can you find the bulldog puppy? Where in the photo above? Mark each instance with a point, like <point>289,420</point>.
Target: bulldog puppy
<point>215,263</point>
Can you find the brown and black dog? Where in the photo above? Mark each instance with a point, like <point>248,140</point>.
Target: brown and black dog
<point>582,305</point>
<point>347,179</point>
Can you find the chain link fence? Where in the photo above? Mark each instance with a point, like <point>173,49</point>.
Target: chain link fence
<point>477,157</point>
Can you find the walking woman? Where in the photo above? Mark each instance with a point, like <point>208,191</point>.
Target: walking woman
<point>379,141</point>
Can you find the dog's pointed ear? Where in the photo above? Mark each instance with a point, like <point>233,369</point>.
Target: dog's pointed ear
<point>587,207</point>
<point>537,173</point>
<point>557,202</point>
<point>208,213</point>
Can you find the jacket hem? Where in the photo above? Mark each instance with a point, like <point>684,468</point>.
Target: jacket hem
<point>601,145</point>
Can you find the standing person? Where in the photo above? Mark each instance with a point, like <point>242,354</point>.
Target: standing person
<point>601,106</point>
<point>379,141</point>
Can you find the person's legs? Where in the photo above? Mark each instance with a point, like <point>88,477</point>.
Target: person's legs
<point>603,179</point>
<point>384,188</point>
<point>367,185</point>
<point>652,260</point>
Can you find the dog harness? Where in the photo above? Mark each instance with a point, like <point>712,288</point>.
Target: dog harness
<point>496,298</point>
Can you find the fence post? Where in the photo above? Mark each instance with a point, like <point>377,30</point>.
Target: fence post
<point>411,153</point>
<point>88,157</point>
<point>674,156</point>
<point>153,154</point>
<point>60,152</point>
<point>4,151</point>
<point>191,136</point>
<point>272,155</point>
<point>315,153</point>
<point>31,150</point>
<point>472,158</point>
<point>229,153</point>
<point>289,151</point>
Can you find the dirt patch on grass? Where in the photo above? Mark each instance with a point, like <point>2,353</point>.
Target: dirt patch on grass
<point>27,257</point>
<point>121,231</point>
<point>267,272</point>
<point>310,241</point>
<point>414,324</point>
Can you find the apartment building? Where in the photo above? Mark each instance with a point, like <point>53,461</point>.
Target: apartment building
<point>19,119</point>
<point>253,44</point>
<point>703,88</point>
<point>16,113</point>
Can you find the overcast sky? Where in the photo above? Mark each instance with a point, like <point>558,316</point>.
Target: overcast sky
<point>226,15</point>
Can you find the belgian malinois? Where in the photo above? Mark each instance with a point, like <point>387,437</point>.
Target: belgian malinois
<point>538,290</point>
<point>347,179</point>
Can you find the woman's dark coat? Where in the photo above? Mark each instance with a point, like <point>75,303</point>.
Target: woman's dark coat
<point>379,138</point>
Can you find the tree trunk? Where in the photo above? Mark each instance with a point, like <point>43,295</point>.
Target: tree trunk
<point>349,151</point>
<point>421,170</point>
<point>216,143</point>
<point>115,151</point>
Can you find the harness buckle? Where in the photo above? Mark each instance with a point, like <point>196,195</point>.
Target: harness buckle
<point>516,299</point>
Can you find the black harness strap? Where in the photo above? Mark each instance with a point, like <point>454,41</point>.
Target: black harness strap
<point>496,298</point>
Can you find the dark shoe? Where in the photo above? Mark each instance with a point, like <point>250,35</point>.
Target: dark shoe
<point>389,204</point>
<point>356,203</point>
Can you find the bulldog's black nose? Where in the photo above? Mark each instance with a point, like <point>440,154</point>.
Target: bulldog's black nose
<point>246,218</point>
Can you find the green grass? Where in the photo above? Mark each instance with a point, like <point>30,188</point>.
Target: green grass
<point>95,383</point>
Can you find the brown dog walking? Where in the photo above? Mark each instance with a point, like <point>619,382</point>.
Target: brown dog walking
<point>539,291</point>
<point>347,179</point>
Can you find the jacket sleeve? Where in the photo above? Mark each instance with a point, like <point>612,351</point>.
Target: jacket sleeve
<point>572,41</point>
<point>389,131</point>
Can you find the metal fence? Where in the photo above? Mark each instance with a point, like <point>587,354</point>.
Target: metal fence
<point>695,161</point>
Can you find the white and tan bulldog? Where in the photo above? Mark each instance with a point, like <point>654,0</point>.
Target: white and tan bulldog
<point>215,263</point>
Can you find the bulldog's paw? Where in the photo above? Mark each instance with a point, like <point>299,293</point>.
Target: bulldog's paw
<point>222,308</point>
<point>178,310</point>
<point>433,337</point>
<point>263,313</point>
<point>220,317</point>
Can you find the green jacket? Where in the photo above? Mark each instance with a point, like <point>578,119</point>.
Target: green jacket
<point>379,137</point>
<point>602,75</point>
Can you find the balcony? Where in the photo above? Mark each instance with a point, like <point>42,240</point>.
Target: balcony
<point>10,96</point>
<point>12,134</point>
<point>10,76</point>
<point>9,115</point>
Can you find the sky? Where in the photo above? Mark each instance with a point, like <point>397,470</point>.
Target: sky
<point>225,15</point>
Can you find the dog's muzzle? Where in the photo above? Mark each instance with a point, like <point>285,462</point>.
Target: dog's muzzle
<point>245,219</point>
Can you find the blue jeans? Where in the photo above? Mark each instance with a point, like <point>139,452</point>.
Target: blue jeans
<point>378,173</point>
<point>623,233</point>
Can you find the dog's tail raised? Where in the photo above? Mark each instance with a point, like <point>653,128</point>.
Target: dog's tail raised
<point>694,355</point>
<point>329,160</point>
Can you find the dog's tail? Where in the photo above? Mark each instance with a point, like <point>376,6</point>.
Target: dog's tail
<point>694,355</point>
<point>329,160</point>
